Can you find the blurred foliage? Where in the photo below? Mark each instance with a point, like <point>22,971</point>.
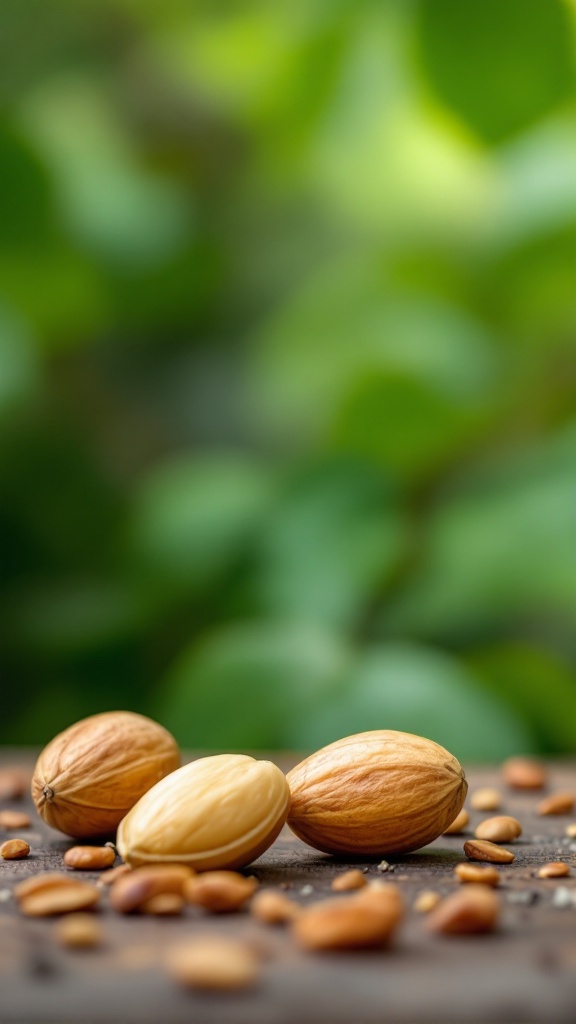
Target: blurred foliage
<point>287,369</point>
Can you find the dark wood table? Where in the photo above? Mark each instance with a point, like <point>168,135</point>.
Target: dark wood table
<point>524,972</point>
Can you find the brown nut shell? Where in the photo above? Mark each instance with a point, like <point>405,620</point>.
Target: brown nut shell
<point>89,776</point>
<point>374,793</point>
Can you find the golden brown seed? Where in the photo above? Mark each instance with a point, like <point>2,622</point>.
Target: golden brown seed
<point>349,923</point>
<point>459,824</point>
<point>111,876</point>
<point>41,883</point>
<point>473,909</point>
<point>89,858</point>
<point>570,830</point>
<point>426,901</point>
<point>219,892</point>
<point>78,931</point>
<point>486,799</point>
<point>273,907</point>
<point>558,803</point>
<point>353,879</point>
<point>14,819</point>
<point>135,887</point>
<point>482,849</point>
<point>384,895</point>
<point>165,904</point>
<point>14,783</point>
<point>474,873</point>
<point>523,773</point>
<point>14,849</point>
<point>211,963</point>
<point>555,869</point>
<point>501,829</point>
<point>60,900</point>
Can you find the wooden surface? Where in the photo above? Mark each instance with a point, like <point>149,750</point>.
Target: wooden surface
<point>524,972</point>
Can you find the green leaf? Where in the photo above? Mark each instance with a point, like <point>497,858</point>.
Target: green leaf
<point>423,691</point>
<point>251,686</point>
<point>500,66</point>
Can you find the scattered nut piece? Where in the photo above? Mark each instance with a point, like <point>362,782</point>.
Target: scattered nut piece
<point>482,849</point>
<point>14,820</point>
<point>350,923</point>
<point>41,883</point>
<point>558,803</point>
<point>501,829</point>
<point>474,873</point>
<point>135,887</point>
<point>486,799</point>
<point>212,963</point>
<point>426,901</point>
<point>459,824</point>
<point>524,773</point>
<point>570,830</point>
<point>14,849</point>
<point>353,879</point>
<point>89,858</point>
<point>78,931</point>
<point>273,907</point>
<point>14,783</point>
<point>555,869</point>
<point>219,892</point>
<point>61,899</point>
<point>165,904</point>
<point>471,910</point>
<point>111,876</point>
<point>385,895</point>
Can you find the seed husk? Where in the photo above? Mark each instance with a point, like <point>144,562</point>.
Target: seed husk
<point>352,879</point>
<point>557,803</point>
<point>213,963</point>
<point>89,858</point>
<point>14,849</point>
<point>459,824</point>
<point>486,799</point>
<point>466,872</point>
<point>501,829</point>
<point>482,849</point>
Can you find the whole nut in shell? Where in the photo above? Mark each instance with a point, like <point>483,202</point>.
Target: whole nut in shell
<point>375,792</point>
<point>89,776</point>
<point>221,811</point>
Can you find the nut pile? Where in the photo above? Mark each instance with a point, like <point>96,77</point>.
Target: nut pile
<point>183,833</point>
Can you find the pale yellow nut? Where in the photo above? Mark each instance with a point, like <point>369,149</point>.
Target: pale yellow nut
<point>426,901</point>
<point>213,963</point>
<point>89,776</point>
<point>459,824</point>
<point>473,909</point>
<point>349,880</point>
<point>570,830</point>
<point>221,811</point>
<point>486,798</point>
<point>375,793</point>
<point>501,829</point>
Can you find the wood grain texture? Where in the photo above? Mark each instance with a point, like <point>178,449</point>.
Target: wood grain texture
<point>525,972</point>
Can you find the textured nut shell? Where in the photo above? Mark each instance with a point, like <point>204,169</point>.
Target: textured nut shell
<point>375,792</point>
<point>218,812</point>
<point>90,775</point>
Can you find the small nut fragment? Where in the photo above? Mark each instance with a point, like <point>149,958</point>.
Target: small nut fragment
<point>89,858</point>
<point>555,869</point>
<point>14,849</point>
<point>220,892</point>
<point>211,963</point>
<point>471,910</point>
<point>486,799</point>
<point>350,923</point>
<point>501,829</point>
<point>459,823</point>
<point>524,773</point>
<point>62,899</point>
<point>557,803</point>
<point>273,907</point>
<point>482,849</point>
<point>384,895</point>
<point>474,873</point>
<point>78,931</point>
<point>40,883</point>
<point>165,904</point>
<point>14,783</point>
<point>570,830</point>
<point>14,820</point>
<point>426,901</point>
<point>111,876</point>
<point>352,879</point>
<point>135,887</point>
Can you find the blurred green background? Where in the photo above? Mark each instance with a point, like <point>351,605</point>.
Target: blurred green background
<point>288,369</point>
